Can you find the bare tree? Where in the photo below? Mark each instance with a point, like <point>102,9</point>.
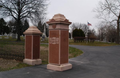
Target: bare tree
<point>107,32</point>
<point>22,9</point>
<point>109,10</point>
<point>72,27</point>
<point>12,26</point>
<point>85,28</point>
<point>102,33</point>
<point>93,31</point>
<point>111,33</point>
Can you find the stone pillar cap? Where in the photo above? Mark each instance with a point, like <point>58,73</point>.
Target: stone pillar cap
<point>32,30</point>
<point>59,18</point>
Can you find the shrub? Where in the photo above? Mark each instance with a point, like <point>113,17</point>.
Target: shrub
<point>78,33</point>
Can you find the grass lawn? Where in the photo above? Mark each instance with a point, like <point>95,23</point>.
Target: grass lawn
<point>96,43</point>
<point>6,64</point>
<point>11,46</point>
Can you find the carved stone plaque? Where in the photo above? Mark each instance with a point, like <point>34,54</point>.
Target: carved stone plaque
<point>54,40</point>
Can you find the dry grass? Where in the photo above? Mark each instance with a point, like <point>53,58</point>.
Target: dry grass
<point>12,48</point>
<point>43,48</point>
<point>44,54</point>
<point>17,48</point>
<point>8,63</point>
<point>96,43</point>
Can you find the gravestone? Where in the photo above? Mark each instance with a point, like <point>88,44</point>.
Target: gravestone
<point>32,46</point>
<point>59,43</point>
<point>14,36</point>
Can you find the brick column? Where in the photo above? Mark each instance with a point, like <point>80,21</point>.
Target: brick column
<point>59,43</point>
<point>32,46</point>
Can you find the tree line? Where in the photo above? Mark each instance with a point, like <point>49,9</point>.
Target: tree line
<point>19,10</point>
<point>3,27</point>
<point>109,27</point>
<point>10,27</point>
<point>81,30</point>
<point>107,32</point>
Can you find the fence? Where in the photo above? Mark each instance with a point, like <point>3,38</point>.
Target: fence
<point>10,49</point>
<point>18,57</point>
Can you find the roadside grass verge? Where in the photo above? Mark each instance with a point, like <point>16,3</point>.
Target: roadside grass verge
<point>96,43</point>
<point>10,46</point>
<point>73,52</point>
<point>17,66</point>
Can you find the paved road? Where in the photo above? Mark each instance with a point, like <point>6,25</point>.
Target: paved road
<point>95,62</point>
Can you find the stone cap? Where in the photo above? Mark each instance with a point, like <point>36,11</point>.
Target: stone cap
<point>32,30</point>
<point>59,18</point>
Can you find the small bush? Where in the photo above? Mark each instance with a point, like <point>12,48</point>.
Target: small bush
<point>78,33</point>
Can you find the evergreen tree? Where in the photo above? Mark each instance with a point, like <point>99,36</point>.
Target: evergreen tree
<point>21,28</point>
<point>6,30</point>
<point>2,26</point>
<point>41,26</point>
<point>47,31</point>
<point>78,33</point>
<point>26,26</point>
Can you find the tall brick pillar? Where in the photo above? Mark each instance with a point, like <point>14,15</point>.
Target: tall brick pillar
<point>32,46</point>
<point>59,43</point>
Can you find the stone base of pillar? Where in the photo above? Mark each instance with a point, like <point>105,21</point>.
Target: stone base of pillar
<point>61,67</point>
<point>32,61</point>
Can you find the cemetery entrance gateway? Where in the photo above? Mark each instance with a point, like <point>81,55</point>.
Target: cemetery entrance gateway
<point>58,44</point>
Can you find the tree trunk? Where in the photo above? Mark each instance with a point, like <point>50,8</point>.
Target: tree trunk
<point>18,31</point>
<point>118,30</point>
<point>18,21</point>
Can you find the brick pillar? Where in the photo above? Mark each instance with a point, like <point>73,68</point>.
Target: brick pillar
<point>59,43</point>
<point>32,46</point>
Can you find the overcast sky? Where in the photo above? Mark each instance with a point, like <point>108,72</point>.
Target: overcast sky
<point>80,11</point>
<point>75,10</point>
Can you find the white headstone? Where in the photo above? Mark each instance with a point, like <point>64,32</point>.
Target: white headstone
<point>14,36</point>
